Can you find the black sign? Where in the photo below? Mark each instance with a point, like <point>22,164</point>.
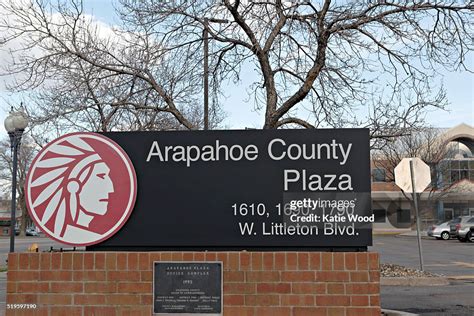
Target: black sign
<point>255,189</point>
<point>187,287</point>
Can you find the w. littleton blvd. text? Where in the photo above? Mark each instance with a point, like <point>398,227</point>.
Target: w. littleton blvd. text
<point>335,221</point>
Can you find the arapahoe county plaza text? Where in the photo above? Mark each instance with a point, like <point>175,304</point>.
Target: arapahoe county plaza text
<point>277,149</point>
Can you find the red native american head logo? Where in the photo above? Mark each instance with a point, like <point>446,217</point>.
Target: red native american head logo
<point>81,189</point>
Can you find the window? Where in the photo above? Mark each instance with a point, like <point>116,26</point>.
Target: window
<point>379,215</point>
<point>454,176</point>
<point>457,220</point>
<point>403,216</point>
<point>455,164</point>
<point>378,175</point>
<point>448,214</point>
<point>471,220</point>
<point>455,170</point>
<point>445,177</point>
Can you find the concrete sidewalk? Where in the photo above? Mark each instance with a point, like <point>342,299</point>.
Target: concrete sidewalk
<point>390,312</point>
<point>414,281</point>
<point>390,231</point>
<point>400,232</point>
<point>413,233</point>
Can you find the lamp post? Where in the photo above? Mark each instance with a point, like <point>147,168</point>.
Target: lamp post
<point>205,35</point>
<point>15,124</point>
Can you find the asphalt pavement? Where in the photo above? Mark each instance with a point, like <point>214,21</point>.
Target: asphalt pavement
<point>457,298</point>
<point>451,258</point>
<point>447,257</point>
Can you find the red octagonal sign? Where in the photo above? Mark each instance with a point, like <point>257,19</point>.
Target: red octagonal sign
<point>81,189</point>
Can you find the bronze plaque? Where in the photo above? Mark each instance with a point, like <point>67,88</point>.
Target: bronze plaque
<point>187,288</point>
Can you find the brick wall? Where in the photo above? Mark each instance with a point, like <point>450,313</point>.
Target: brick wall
<point>255,283</point>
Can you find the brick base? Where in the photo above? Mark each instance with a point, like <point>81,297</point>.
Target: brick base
<point>255,283</point>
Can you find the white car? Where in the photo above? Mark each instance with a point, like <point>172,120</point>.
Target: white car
<point>31,232</point>
<point>461,227</point>
<point>440,231</point>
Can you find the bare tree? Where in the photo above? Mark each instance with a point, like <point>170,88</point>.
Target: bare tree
<point>428,144</point>
<point>83,84</point>
<point>26,153</point>
<point>326,64</point>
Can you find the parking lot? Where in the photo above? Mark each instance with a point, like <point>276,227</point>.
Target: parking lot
<point>450,258</point>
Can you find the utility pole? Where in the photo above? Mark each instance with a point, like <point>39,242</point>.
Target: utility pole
<point>205,36</point>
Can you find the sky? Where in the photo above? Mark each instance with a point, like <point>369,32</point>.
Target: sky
<point>240,111</point>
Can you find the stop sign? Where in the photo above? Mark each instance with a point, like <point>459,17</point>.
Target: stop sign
<point>421,173</point>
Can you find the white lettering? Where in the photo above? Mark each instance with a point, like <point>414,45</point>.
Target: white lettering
<point>179,153</point>
<point>288,180</point>
<point>345,153</point>
<point>270,152</point>
<point>207,153</point>
<point>239,150</point>
<point>300,180</point>
<point>154,151</point>
<point>251,150</point>
<point>295,156</point>
<point>189,155</point>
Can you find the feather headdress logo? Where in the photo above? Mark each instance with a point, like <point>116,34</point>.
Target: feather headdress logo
<point>81,188</point>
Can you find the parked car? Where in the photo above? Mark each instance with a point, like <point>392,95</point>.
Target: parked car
<point>461,227</point>
<point>31,232</point>
<point>440,230</point>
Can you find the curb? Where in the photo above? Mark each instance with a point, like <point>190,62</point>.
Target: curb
<point>389,312</point>
<point>400,281</point>
<point>461,277</point>
<point>411,236</point>
<point>386,233</point>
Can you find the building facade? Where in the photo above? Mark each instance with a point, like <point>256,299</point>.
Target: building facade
<point>6,215</point>
<point>451,193</point>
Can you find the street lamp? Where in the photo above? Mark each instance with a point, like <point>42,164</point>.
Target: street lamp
<point>15,124</point>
